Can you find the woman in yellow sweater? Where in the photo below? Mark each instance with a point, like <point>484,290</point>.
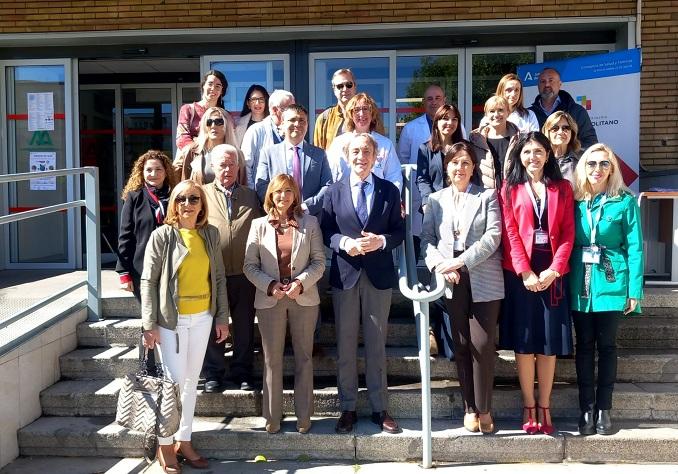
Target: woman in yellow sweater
<point>182,289</point>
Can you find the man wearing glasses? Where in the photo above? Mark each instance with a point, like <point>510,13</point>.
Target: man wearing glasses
<point>331,122</point>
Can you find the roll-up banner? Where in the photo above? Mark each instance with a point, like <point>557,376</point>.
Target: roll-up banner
<point>608,87</point>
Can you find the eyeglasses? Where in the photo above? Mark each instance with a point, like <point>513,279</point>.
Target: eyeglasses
<point>187,199</point>
<point>604,164</point>
<point>344,85</point>
<point>365,109</point>
<point>257,100</point>
<point>564,128</point>
<point>217,121</point>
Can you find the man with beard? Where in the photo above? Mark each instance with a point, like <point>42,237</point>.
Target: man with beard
<point>551,99</point>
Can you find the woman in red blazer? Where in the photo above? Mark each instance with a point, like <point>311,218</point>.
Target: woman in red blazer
<point>538,235</point>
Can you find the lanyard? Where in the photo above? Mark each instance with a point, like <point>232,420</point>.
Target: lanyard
<point>539,210</point>
<point>589,217</point>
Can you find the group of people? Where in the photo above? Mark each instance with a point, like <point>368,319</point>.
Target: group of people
<point>238,223</point>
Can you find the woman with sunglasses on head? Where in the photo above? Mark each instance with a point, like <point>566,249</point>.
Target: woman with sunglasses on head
<point>145,196</point>
<point>284,259</point>
<point>195,161</point>
<point>562,130</point>
<point>183,289</point>
<point>538,234</point>
<point>362,116</point>
<point>606,281</point>
<point>511,89</point>
<point>213,88</point>
<point>445,131</point>
<point>254,109</point>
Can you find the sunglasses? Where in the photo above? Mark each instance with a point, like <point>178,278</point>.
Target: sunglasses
<point>187,199</point>
<point>604,164</point>
<point>344,85</point>
<point>257,100</point>
<point>217,121</point>
<point>564,128</point>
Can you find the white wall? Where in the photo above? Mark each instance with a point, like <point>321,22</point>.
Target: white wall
<point>25,372</point>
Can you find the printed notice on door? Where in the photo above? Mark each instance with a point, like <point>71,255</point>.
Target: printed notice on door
<point>43,161</point>
<point>40,111</point>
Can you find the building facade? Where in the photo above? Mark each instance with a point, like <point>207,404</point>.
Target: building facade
<point>115,73</point>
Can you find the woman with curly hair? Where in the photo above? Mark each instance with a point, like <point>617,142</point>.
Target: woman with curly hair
<point>195,162</point>
<point>145,205</point>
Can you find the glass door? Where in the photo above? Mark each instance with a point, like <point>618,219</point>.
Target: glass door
<point>149,120</point>
<point>37,123</point>
<point>269,70</point>
<point>100,145</point>
<point>484,68</point>
<point>374,73</point>
<point>416,70</point>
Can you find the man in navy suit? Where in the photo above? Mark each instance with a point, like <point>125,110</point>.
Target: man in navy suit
<point>307,163</point>
<point>362,224</point>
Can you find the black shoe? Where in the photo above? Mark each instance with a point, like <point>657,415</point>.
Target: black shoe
<point>213,386</point>
<point>246,385</point>
<point>603,422</point>
<point>587,424</point>
<point>345,422</point>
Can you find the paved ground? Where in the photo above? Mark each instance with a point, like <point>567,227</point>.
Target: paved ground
<point>120,466</point>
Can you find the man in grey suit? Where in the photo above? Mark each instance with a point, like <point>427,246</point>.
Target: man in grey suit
<point>306,163</point>
<point>265,133</point>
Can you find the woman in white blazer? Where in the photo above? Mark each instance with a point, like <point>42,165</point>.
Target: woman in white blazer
<point>284,259</point>
<point>460,239</point>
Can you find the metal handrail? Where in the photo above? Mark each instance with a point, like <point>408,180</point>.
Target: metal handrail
<point>92,232</point>
<point>411,288</point>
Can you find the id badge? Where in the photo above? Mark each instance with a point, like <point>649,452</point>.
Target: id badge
<point>458,245</point>
<point>541,237</point>
<point>591,254</point>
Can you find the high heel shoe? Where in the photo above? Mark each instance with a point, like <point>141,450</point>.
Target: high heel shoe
<point>530,426</point>
<point>471,422</point>
<point>488,428</point>
<point>167,468</point>
<point>197,463</point>
<point>544,427</point>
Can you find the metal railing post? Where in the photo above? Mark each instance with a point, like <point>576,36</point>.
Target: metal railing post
<point>411,288</point>
<point>93,242</point>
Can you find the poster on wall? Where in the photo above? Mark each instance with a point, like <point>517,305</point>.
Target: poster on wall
<point>43,161</point>
<point>40,111</point>
<point>608,87</point>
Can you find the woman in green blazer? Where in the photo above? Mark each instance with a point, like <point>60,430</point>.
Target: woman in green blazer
<point>606,278</point>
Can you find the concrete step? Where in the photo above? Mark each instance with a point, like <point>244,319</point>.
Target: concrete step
<point>658,302</point>
<point>643,401</point>
<point>244,438</point>
<point>636,332</point>
<point>634,365</point>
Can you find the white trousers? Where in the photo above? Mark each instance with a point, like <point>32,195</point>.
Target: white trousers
<point>183,365</point>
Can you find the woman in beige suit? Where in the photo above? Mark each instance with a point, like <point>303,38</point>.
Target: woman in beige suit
<point>284,259</point>
<point>460,239</point>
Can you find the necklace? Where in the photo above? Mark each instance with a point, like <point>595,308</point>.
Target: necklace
<point>459,206</point>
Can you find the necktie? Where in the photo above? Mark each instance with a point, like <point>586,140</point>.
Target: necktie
<point>296,167</point>
<point>361,207</point>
